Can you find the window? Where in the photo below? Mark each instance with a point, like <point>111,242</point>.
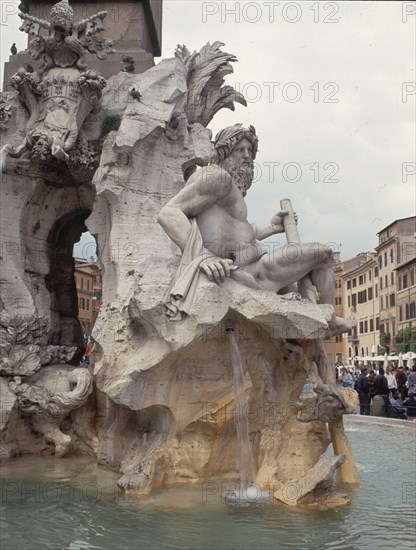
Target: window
<point>393,328</point>
<point>371,325</point>
<point>354,282</point>
<point>361,327</point>
<point>354,300</point>
<point>349,285</point>
<point>391,256</point>
<point>382,328</point>
<point>370,293</point>
<point>369,275</point>
<point>88,304</point>
<point>340,300</point>
<point>88,284</point>
<point>400,282</point>
<point>378,323</point>
<point>365,326</point>
<point>400,313</point>
<point>380,260</point>
<point>407,311</point>
<point>349,301</point>
<point>381,302</point>
<point>412,277</point>
<point>385,259</point>
<point>412,310</point>
<point>82,283</point>
<point>376,271</point>
<point>405,281</point>
<point>362,296</point>
<point>360,280</point>
<point>376,291</point>
<point>81,302</point>
<point>392,300</point>
<point>392,278</point>
<point>386,280</point>
<point>381,283</point>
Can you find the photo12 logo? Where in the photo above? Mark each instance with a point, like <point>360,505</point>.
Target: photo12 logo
<point>270,11</point>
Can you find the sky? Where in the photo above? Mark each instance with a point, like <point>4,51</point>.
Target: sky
<point>330,88</point>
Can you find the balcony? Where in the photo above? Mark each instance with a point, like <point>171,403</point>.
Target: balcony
<point>353,339</point>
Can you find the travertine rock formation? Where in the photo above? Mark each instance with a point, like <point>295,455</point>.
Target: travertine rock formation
<point>316,487</point>
<point>162,410</point>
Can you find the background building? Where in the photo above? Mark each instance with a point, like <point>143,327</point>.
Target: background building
<point>88,282</point>
<point>361,301</point>
<point>334,346</point>
<point>406,306</point>
<point>395,249</point>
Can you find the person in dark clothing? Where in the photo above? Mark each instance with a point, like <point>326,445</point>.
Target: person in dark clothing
<point>410,404</point>
<point>362,388</point>
<point>371,376</point>
<point>396,409</point>
<point>381,385</point>
<point>401,379</point>
<point>380,402</point>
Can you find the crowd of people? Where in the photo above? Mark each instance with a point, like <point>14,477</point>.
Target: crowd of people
<point>390,392</point>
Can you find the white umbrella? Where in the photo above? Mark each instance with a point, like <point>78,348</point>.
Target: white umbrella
<point>385,361</point>
<point>400,359</point>
<point>409,355</point>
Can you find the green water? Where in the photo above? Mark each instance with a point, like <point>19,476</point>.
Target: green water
<point>71,504</point>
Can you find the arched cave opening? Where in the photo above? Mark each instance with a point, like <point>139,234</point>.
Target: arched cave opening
<point>61,282</point>
<point>88,283</point>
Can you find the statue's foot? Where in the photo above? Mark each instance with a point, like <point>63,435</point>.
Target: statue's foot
<point>339,325</point>
<point>308,290</point>
<point>62,445</point>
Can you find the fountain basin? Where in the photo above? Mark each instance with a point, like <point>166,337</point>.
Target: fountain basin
<point>73,504</point>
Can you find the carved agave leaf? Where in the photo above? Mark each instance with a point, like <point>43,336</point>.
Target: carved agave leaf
<point>206,72</point>
<point>56,354</point>
<point>23,361</point>
<point>18,329</point>
<point>4,350</point>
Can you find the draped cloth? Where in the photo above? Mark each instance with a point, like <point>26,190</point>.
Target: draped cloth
<point>185,282</point>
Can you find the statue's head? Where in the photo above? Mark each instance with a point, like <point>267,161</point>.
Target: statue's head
<point>235,148</point>
<point>62,17</point>
<point>227,139</point>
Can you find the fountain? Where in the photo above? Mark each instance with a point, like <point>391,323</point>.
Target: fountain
<point>140,172</point>
<point>244,451</point>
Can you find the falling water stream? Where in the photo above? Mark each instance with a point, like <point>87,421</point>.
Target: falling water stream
<point>244,449</point>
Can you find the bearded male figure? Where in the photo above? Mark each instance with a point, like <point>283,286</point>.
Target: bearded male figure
<point>207,219</point>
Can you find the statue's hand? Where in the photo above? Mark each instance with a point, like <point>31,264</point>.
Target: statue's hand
<point>216,268</point>
<point>277,221</point>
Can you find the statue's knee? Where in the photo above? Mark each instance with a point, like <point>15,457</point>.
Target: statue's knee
<point>321,252</point>
<point>328,253</point>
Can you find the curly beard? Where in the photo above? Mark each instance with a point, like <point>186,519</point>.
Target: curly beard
<point>242,173</point>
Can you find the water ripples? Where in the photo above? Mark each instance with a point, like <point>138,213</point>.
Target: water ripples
<point>382,512</point>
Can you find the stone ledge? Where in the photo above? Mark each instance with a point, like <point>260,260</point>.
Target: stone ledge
<point>380,421</point>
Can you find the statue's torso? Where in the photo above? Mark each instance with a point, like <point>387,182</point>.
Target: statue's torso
<point>226,232</point>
